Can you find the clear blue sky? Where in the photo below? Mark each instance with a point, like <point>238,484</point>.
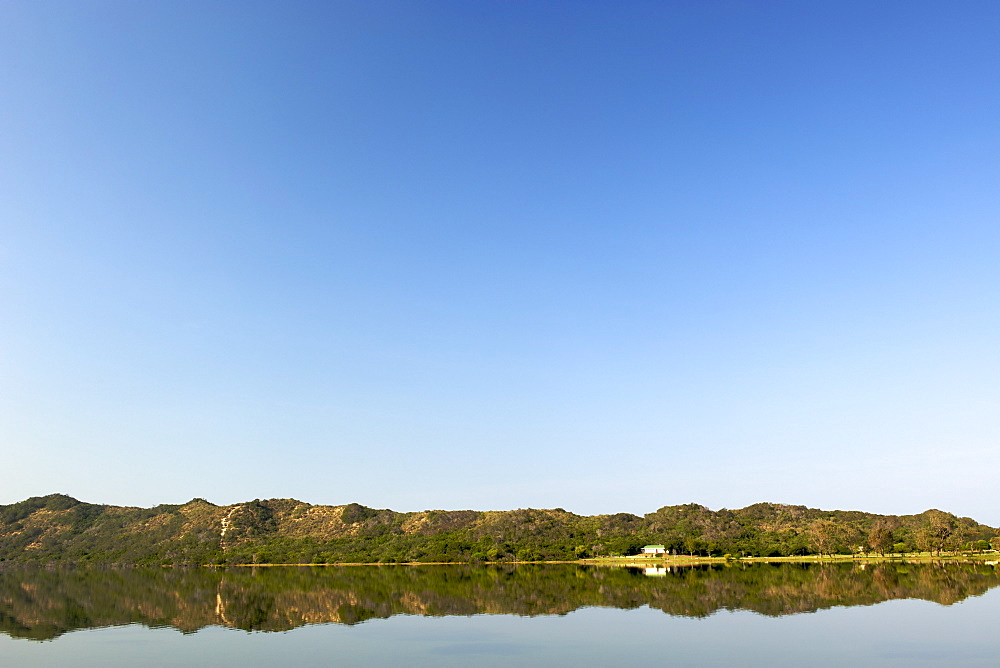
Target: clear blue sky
<point>592,255</point>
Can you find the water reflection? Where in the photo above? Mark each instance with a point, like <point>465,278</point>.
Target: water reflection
<point>44,604</point>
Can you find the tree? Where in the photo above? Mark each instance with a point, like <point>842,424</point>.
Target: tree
<point>692,545</point>
<point>825,536</point>
<point>934,535</point>
<point>880,538</point>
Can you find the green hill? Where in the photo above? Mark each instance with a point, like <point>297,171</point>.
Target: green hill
<point>58,528</point>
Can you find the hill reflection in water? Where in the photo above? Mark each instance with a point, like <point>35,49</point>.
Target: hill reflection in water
<point>44,604</point>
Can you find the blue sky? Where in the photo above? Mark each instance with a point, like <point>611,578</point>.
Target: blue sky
<point>599,256</point>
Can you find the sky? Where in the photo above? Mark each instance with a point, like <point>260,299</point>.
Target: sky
<point>599,256</point>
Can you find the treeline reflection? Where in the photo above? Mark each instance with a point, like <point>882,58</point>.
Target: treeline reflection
<point>44,604</point>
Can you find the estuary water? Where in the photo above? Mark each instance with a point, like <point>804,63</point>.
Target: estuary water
<point>890,613</point>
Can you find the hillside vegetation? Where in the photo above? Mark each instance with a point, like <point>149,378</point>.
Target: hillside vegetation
<point>59,528</point>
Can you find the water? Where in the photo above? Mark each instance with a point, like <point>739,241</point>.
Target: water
<point>557,615</point>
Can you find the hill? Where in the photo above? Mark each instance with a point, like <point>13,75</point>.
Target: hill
<point>60,529</point>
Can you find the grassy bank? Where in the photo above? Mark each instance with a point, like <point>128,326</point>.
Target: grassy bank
<point>687,560</point>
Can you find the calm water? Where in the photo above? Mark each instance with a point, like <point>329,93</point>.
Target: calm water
<point>558,615</point>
